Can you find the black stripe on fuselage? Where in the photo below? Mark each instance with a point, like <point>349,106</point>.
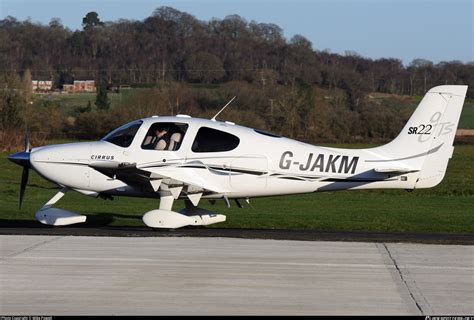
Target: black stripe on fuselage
<point>194,166</point>
<point>355,180</point>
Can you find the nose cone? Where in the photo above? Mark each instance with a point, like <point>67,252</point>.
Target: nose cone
<point>39,160</point>
<point>64,164</point>
<point>20,158</point>
<point>61,153</point>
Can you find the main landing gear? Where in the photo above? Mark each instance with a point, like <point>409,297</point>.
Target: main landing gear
<point>164,217</point>
<point>189,216</point>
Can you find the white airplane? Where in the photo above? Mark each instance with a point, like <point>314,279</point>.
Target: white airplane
<point>179,157</point>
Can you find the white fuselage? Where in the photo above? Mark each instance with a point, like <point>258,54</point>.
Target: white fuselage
<point>260,165</point>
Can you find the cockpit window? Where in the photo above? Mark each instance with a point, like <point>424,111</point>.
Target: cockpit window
<point>165,136</point>
<point>124,135</point>
<point>211,140</point>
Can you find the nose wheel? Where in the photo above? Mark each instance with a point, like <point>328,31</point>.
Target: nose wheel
<point>56,216</point>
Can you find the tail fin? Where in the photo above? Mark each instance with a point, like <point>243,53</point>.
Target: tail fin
<point>426,141</point>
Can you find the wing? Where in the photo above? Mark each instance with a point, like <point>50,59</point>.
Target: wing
<point>153,182</point>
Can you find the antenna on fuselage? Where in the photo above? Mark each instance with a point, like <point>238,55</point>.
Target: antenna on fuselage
<point>214,118</point>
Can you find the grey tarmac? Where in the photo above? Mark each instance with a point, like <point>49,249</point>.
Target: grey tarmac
<point>79,275</point>
<point>89,229</point>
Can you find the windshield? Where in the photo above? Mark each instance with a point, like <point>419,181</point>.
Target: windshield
<point>124,135</point>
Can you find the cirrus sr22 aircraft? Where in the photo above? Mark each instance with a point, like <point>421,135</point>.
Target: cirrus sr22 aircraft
<point>209,159</point>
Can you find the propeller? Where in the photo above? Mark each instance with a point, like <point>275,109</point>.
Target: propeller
<point>27,142</point>
<point>23,159</point>
<point>24,182</point>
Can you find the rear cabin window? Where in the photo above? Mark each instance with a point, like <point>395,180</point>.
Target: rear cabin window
<point>212,140</point>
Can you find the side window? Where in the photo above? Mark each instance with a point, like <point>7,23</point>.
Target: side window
<point>166,136</point>
<point>124,135</point>
<point>211,140</point>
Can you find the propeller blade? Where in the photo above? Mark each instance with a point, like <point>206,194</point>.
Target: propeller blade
<point>23,159</point>
<point>27,142</point>
<point>24,181</point>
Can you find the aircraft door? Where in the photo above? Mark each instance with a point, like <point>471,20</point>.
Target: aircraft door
<point>249,173</point>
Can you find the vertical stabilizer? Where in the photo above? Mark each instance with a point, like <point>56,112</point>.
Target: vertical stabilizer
<point>426,141</point>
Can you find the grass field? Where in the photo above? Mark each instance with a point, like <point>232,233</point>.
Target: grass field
<point>70,102</point>
<point>449,207</point>
<point>467,115</point>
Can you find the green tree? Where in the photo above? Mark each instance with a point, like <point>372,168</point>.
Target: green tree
<point>204,67</point>
<point>91,21</point>
<point>102,100</point>
<point>12,101</point>
<point>88,107</point>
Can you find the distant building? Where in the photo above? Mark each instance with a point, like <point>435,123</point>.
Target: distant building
<point>77,86</point>
<point>68,88</point>
<point>41,85</point>
<point>84,86</point>
<point>80,86</point>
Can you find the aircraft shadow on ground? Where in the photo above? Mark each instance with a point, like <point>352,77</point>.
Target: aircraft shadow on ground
<point>93,219</point>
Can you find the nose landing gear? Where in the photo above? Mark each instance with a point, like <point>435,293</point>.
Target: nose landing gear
<point>56,216</point>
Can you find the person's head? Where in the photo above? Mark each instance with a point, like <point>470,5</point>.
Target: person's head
<point>161,130</point>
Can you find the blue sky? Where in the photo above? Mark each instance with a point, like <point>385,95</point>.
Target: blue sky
<point>437,30</point>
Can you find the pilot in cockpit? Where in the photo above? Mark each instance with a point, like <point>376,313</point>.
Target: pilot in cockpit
<point>166,137</point>
<point>161,140</point>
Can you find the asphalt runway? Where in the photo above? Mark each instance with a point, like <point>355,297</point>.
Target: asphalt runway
<point>35,228</point>
<point>78,275</point>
